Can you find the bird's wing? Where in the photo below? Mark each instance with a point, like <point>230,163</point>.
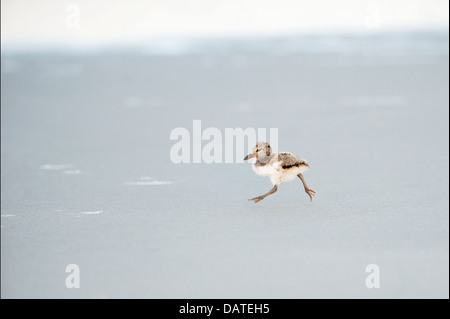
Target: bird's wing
<point>289,160</point>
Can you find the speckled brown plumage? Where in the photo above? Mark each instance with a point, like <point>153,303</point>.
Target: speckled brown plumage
<point>279,166</point>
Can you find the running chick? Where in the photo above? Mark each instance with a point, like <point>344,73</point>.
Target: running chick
<point>279,166</point>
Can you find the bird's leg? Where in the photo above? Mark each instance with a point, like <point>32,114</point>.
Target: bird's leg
<point>259,198</point>
<point>308,190</point>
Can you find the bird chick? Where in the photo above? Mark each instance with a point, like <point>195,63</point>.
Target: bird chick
<point>280,167</point>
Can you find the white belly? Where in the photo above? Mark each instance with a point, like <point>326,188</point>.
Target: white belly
<point>267,170</point>
<point>278,174</point>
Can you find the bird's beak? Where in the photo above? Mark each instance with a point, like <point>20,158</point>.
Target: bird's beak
<point>249,156</point>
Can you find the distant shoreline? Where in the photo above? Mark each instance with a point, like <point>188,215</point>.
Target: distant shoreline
<point>434,41</point>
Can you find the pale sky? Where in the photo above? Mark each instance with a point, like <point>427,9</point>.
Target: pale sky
<point>90,22</point>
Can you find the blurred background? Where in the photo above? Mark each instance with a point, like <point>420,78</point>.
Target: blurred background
<point>90,91</point>
<point>87,24</point>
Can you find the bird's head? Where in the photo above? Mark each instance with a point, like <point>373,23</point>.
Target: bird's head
<point>261,151</point>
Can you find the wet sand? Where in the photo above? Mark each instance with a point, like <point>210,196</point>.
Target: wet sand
<point>86,176</point>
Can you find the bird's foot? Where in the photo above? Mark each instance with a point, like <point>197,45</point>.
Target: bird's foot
<point>310,193</point>
<point>257,199</point>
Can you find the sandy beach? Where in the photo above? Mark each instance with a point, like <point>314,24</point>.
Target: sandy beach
<point>86,176</point>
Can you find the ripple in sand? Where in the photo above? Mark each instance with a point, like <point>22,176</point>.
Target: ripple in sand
<point>56,167</point>
<point>72,172</point>
<point>148,181</point>
<point>92,213</point>
<point>66,169</point>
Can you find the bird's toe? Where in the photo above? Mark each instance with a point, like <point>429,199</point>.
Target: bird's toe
<point>256,199</point>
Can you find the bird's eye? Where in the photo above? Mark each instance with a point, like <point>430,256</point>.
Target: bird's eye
<point>257,151</point>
